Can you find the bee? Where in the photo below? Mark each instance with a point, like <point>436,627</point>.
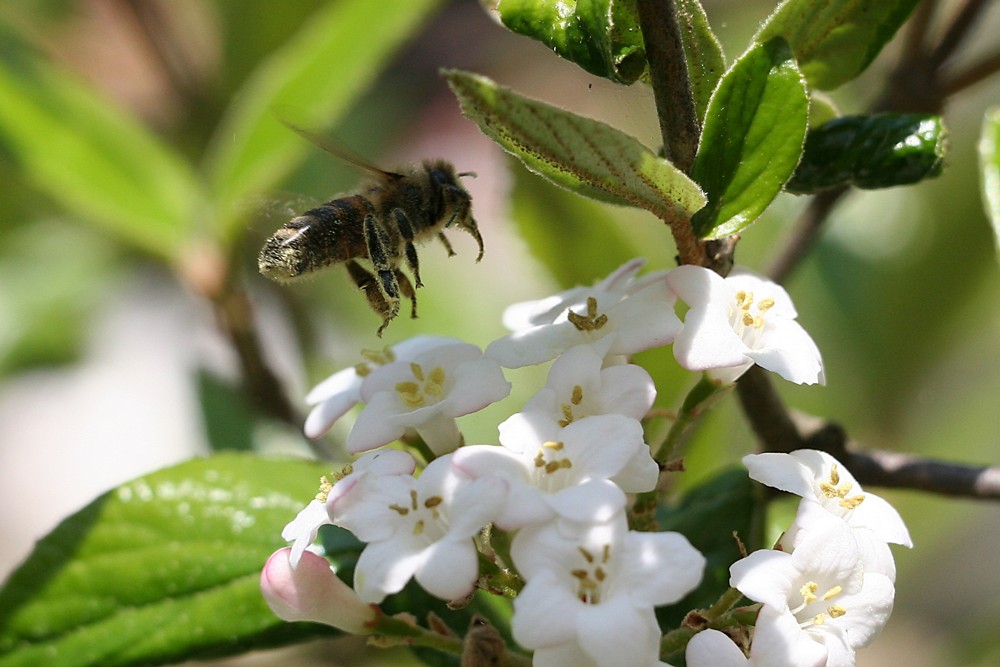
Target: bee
<point>377,225</point>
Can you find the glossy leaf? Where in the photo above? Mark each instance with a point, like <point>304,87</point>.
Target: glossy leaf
<point>601,36</point>
<point>752,139</point>
<point>869,152</point>
<point>836,40</point>
<point>316,76</point>
<point>97,160</point>
<point>709,515</point>
<point>989,162</point>
<point>583,155</point>
<point>164,568</point>
<point>702,52</point>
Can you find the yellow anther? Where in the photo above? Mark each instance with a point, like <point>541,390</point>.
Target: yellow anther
<point>418,527</point>
<point>567,413</point>
<point>579,574</point>
<point>552,466</point>
<point>765,305</point>
<point>577,396</point>
<point>589,557</point>
<point>836,611</point>
<point>417,370</point>
<point>600,574</point>
<point>606,555</point>
<point>808,591</point>
<point>399,509</point>
<point>852,502</point>
<point>324,489</point>
<point>554,445</point>
<point>380,357</point>
<point>748,320</point>
<point>819,619</point>
<point>833,592</point>
<point>834,475</point>
<point>362,369</point>
<point>409,392</point>
<point>433,501</point>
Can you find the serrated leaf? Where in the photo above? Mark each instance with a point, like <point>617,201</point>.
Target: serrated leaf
<point>601,36</point>
<point>586,156</point>
<point>989,164</point>
<point>836,40</point>
<point>752,139</point>
<point>869,152</point>
<point>164,568</point>
<point>702,52</point>
<point>95,159</point>
<point>317,75</point>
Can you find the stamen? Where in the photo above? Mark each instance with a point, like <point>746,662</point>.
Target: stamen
<point>589,322</point>
<point>833,592</point>
<point>577,396</point>
<point>836,611</point>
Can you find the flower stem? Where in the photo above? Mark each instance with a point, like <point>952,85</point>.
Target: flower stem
<point>702,396</point>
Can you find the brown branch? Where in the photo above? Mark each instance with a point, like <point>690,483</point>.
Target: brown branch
<point>805,233</point>
<point>971,75</point>
<point>782,431</point>
<point>674,106</point>
<point>956,32</point>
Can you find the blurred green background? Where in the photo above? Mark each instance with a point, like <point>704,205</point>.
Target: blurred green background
<point>142,165</point>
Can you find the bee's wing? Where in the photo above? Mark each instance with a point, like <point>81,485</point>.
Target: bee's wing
<point>341,152</point>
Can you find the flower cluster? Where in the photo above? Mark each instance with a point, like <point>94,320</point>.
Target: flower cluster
<point>827,588</point>
<point>556,485</point>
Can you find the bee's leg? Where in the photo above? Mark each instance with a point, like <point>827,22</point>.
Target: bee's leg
<point>406,231</point>
<point>463,216</point>
<point>406,288</point>
<point>446,243</point>
<point>369,285</point>
<point>377,243</point>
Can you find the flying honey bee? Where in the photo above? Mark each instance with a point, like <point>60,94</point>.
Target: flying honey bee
<point>378,225</point>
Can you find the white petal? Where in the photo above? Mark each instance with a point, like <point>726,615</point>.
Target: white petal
<point>782,471</point>
<point>615,633</point>
<point>477,384</point>
<point>778,641</point>
<point>765,576</point>
<point>711,648</point>
<point>598,500</point>
<point>867,611</point>
<point>644,320</point>
<point>449,569</point>
<point>640,474</point>
<point>384,568</point>
<point>661,567</point>
<point>545,613</point>
<point>345,382</point>
<point>440,433</point>
<point>322,417</point>
<point>373,427</point>
<point>304,528</point>
<point>628,389</point>
<point>786,349</point>
<point>876,514</point>
<point>476,504</point>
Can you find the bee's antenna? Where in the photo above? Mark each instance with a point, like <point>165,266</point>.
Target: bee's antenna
<point>470,174</point>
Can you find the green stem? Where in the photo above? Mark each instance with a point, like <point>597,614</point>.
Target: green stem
<point>719,615</point>
<point>391,627</point>
<point>702,397</point>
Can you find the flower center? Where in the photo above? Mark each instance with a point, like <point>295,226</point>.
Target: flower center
<point>591,321</point>
<point>424,517</point>
<point>833,489</point>
<point>747,316</point>
<point>425,388</point>
<point>549,460</point>
<point>374,358</point>
<point>567,408</point>
<point>592,578</point>
<point>815,608</point>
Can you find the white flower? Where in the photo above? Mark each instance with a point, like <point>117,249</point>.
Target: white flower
<point>337,394</point>
<point>418,528</point>
<point>740,320</point>
<point>549,468</point>
<point>617,316</point>
<point>578,387</point>
<point>302,530</point>
<point>592,587</point>
<point>818,477</point>
<point>426,394</point>
<point>711,648</point>
<point>819,602</point>
<point>312,592</point>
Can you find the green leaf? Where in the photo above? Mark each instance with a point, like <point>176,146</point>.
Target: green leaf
<point>834,41</point>
<point>560,228</point>
<point>869,152</point>
<point>752,139</point>
<point>702,52</point>
<point>583,155</point>
<point>164,568</point>
<point>708,516</point>
<point>989,162</point>
<point>317,76</point>
<point>96,160</point>
<point>601,36</point>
